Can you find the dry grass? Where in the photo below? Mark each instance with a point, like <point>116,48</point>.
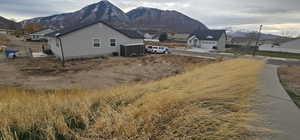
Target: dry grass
<point>208,103</point>
<point>290,79</point>
<point>3,39</point>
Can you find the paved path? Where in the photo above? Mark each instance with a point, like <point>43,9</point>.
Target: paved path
<point>278,110</point>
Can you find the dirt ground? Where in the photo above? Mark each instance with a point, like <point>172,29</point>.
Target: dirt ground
<point>290,78</point>
<point>48,73</point>
<point>23,46</point>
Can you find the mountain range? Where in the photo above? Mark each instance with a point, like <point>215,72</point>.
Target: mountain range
<point>8,24</point>
<point>245,34</point>
<point>142,18</point>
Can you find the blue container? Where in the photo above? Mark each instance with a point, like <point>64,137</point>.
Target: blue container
<point>10,52</point>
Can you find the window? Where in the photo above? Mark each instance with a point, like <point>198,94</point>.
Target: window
<point>96,43</point>
<point>112,42</point>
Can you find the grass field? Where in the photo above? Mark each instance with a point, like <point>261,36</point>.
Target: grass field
<point>267,53</point>
<point>290,79</point>
<point>206,103</point>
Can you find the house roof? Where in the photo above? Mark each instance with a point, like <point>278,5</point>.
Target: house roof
<point>129,33</point>
<point>208,34</point>
<point>43,31</point>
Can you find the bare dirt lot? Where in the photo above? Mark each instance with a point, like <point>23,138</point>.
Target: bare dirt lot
<point>290,78</point>
<point>48,73</point>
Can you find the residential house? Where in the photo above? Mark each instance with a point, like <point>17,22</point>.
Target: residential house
<point>40,35</point>
<point>91,40</point>
<point>151,37</point>
<point>208,39</point>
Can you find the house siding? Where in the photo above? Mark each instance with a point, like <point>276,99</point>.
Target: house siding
<point>222,42</point>
<point>79,44</point>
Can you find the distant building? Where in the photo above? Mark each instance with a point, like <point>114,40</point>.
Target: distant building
<point>178,37</point>
<point>208,39</point>
<point>291,46</point>
<point>40,35</point>
<point>151,37</point>
<point>92,40</point>
<point>6,31</point>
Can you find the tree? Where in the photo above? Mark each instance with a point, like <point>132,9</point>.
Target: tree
<point>32,27</point>
<point>163,37</point>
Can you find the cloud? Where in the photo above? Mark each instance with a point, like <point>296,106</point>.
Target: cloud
<point>214,13</point>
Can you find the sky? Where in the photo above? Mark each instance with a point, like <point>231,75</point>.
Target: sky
<point>280,17</point>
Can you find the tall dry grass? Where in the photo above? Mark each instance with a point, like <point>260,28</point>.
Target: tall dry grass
<point>208,103</point>
<point>3,39</point>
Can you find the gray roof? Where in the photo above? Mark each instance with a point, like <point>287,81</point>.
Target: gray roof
<point>129,33</point>
<point>44,31</point>
<point>208,34</point>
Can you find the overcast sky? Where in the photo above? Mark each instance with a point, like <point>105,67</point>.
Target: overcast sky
<point>277,16</point>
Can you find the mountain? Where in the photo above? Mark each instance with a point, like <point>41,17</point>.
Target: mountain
<point>8,24</point>
<point>241,34</point>
<point>102,10</point>
<point>163,20</point>
<point>141,18</point>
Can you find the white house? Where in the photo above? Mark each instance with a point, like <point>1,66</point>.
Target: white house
<point>208,39</point>
<point>91,40</point>
<point>151,37</point>
<point>292,46</point>
<point>40,35</point>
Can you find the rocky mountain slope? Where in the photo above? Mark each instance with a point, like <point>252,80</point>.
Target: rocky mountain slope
<point>171,21</point>
<point>8,24</point>
<point>102,10</point>
<point>148,19</point>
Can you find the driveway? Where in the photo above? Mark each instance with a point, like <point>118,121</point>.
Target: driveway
<point>279,113</point>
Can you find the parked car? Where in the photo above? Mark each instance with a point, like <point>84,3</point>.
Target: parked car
<point>148,49</point>
<point>160,49</point>
<point>157,49</point>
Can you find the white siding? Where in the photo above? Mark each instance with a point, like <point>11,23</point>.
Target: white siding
<point>191,41</point>
<point>222,42</point>
<point>208,44</point>
<point>54,48</point>
<point>79,44</point>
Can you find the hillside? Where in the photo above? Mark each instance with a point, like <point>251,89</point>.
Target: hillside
<point>141,18</point>
<point>171,21</point>
<point>102,10</point>
<point>8,24</point>
<point>211,102</point>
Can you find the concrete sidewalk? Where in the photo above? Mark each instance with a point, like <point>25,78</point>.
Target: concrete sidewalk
<point>277,109</point>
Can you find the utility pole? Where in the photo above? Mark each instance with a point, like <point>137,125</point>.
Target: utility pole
<point>257,40</point>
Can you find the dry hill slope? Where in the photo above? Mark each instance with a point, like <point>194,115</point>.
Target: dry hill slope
<point>210,102</point>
